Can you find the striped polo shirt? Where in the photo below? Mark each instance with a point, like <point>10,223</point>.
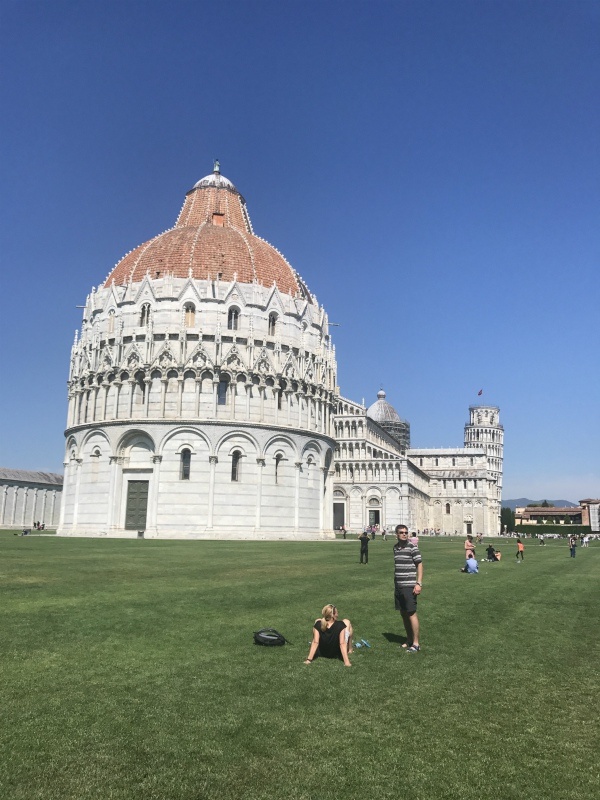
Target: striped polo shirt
<point>405,564</point>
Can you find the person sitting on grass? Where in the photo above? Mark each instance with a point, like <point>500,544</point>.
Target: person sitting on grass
<point>491,553</point>
<point>471,566</point>
<point>332,637</point>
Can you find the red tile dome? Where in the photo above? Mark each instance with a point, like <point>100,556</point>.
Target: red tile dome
<point>212,238</point>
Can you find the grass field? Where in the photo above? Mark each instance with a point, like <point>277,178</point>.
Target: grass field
<point>129,671</point>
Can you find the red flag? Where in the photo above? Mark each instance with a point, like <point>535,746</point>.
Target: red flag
<point>479,393</point>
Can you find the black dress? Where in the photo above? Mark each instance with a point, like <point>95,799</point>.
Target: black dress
<point>329,639</point>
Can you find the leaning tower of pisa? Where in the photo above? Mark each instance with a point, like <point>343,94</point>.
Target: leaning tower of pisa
<point>484,431</point>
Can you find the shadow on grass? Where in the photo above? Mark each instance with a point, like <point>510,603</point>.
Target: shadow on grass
<point>395,638</point>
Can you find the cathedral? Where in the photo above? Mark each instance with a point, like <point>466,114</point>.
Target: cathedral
<point>203,403</point>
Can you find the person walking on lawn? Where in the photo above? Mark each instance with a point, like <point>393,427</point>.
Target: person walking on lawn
<point>520,550</point>
<point>408,582</point>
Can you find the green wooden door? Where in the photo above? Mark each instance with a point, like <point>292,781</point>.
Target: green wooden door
<point>137,505</point>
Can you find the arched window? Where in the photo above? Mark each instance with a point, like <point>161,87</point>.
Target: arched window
<point>186,463</point>
<point>222,392</point>
<point>279,399</point>
<point>233,318</point>
<point>272,324</point>
<point>447,508</point>
<point>236,459</point>
<point>453,462</point>
<point>140,389</point>
<point>145,315</point>
<point>189,315</point>
<point>310,473</point>
<point>111,321</point>
<point>278,460</point>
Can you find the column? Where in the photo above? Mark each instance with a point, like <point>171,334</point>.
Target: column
<point>297,496</point>
<point>25,493</point>
<point>198,392</point>
<point>77,406</point>
<point>163,396</point>
<point>113,487</point>
<point>95,403</point>
<point>106,387</point>
<point>131,384</point>
<point>213,460</point>
<point>3,509</point>
<point>71,409</point>
<point>152,514</point>
<point>14,508</point>
<point>179,395</point>
<point>52,507</point>
<point>63,505</point>
<point>117,384</point>
<point>44,505</point>
<point>323,499</point>
<point>147,385</point>
<point>78,462</point>
<point>261,464</point>
<point>248,398</point>
<point>215,398</point>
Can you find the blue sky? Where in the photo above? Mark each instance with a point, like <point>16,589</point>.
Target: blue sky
<point>431,169</point>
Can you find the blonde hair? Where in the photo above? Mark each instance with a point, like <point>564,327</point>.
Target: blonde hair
<point>327,613</point>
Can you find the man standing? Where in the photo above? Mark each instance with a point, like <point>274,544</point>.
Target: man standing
<point>408,582</point>
<point>572,545</point>
<point>364,547</point>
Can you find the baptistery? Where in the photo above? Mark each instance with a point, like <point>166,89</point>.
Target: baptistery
<point>202,388</point>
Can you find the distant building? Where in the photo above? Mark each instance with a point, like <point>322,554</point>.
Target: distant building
<point>553,515</point>
<point>379,480</point>
<point>590,513</point>
<point>28,497</point>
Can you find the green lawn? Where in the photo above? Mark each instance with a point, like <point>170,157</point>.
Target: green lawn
<point>128,671</point>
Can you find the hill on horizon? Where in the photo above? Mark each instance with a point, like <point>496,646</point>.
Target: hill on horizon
<point>525,501</point>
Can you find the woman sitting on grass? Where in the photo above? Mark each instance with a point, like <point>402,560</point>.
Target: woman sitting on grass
<point>332,637</point>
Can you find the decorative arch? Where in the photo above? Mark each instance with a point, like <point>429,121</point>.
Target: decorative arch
<point>191,435</point>
<point>94,438</point>
<point>135,439</point>
<point>240,439</point>
<point>72,448</point>
<point>279,440</point>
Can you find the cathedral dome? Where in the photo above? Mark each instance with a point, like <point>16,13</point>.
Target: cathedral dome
<point>388,418</point>
<point>382,411</point>
<point>212,239</point>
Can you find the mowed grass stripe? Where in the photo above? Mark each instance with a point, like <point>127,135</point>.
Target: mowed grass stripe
<point>129,671</point>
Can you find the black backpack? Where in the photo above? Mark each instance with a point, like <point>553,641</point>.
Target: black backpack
<point>269,637</point>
